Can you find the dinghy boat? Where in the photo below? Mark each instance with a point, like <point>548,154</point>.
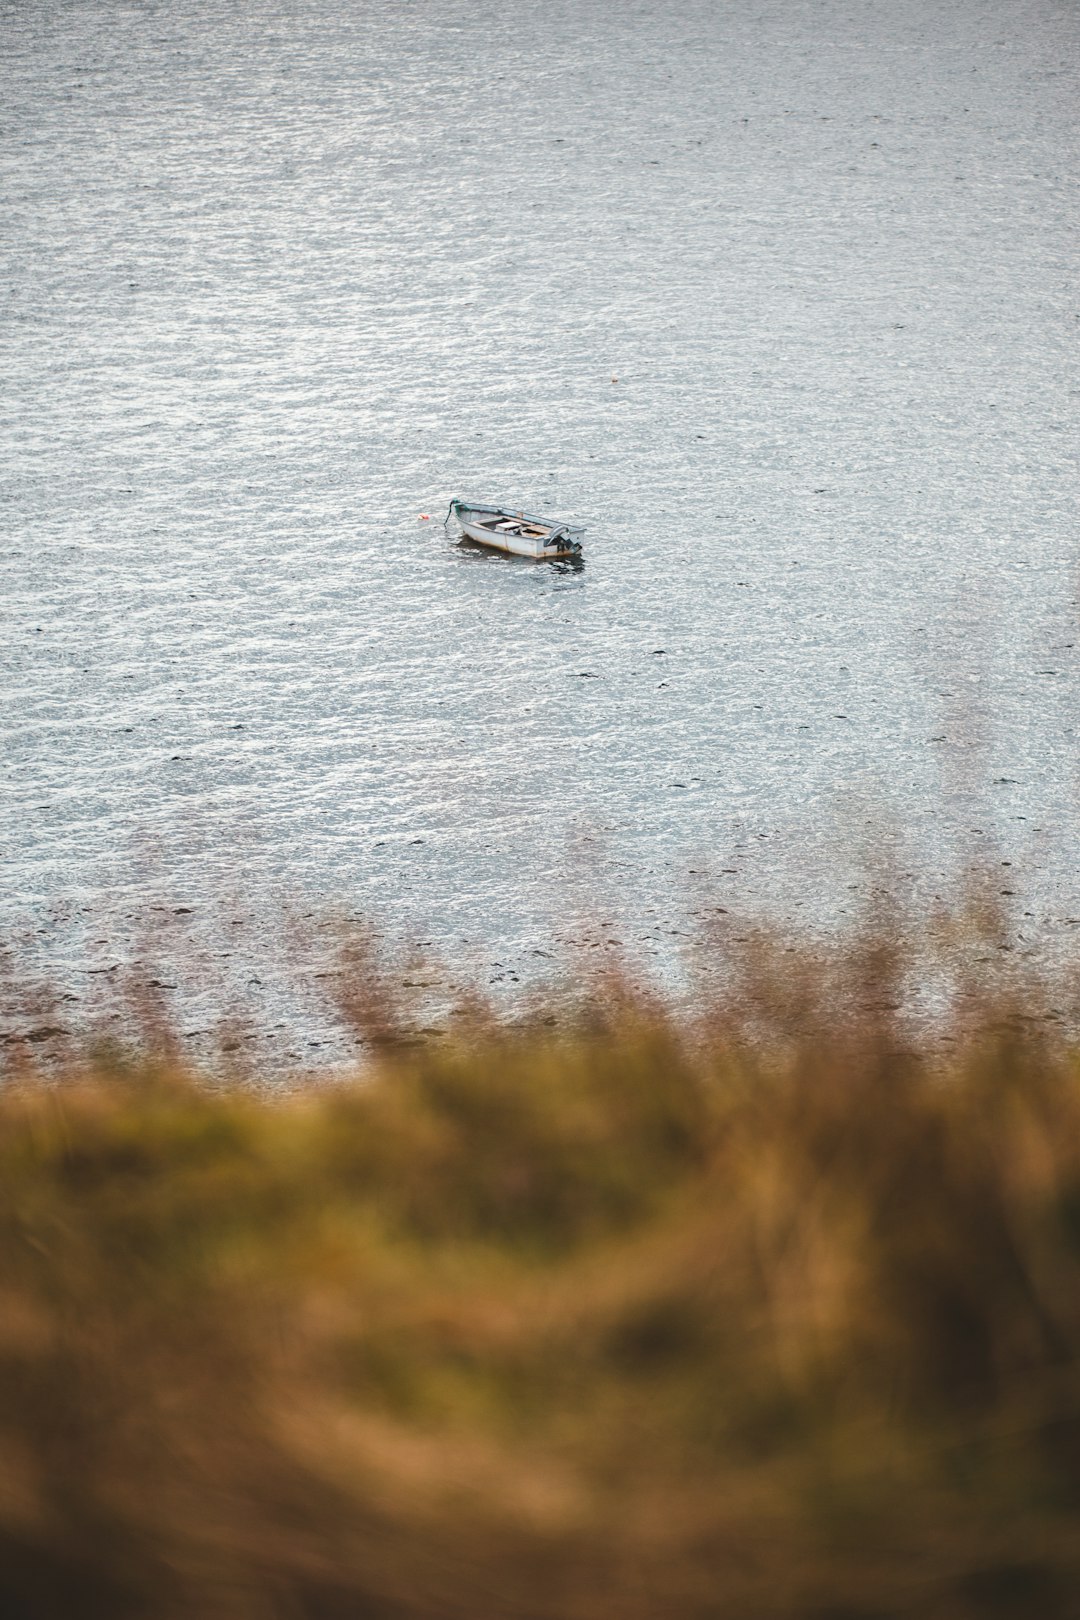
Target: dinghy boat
<point>520,533</point>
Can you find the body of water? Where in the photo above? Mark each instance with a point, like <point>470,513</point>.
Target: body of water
<point>779,299</point>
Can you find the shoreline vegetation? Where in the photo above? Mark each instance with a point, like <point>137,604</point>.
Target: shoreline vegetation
<point>766,1305</point>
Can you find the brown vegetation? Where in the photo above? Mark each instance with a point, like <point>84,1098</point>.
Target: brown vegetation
<point>767,1315</point>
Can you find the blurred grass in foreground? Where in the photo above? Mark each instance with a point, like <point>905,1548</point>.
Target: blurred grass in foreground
<point>765,1314</point>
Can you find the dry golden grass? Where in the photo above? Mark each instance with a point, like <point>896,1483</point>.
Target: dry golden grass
<point>764,1315</point>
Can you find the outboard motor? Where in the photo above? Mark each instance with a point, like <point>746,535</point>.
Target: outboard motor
<point>561,537</point>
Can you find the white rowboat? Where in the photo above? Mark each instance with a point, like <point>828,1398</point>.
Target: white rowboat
<point>520,533</point>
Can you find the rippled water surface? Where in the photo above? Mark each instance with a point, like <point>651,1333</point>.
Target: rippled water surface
<point>778,298</point>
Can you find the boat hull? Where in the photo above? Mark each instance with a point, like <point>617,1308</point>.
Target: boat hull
<point>519,534</point>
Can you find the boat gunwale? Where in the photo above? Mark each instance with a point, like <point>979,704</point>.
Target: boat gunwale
<point>550,524</point>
